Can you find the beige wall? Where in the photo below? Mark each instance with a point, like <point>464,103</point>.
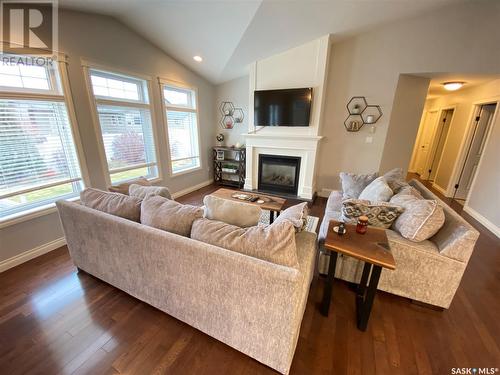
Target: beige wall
<point>235,91</point>
<point>408,104</point>
<point>457,39</point>
<point>106,41</point>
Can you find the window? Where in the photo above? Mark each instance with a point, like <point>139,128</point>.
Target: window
<point>38,157</point>
<point>124,115</point>
<point>182,127</point>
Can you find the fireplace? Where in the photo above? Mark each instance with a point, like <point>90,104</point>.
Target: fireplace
<point>279,174</point>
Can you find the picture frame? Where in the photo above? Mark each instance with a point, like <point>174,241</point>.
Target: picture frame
<point>220,155</point>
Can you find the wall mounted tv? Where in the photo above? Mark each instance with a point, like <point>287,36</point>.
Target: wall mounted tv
<point>287,107</point>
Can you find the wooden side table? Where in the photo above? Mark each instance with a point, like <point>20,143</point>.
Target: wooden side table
<point>373,249</point>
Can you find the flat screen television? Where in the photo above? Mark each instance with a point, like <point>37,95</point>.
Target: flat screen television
<point>287,107</point>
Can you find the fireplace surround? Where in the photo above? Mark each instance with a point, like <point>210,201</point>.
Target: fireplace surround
<point>279,174</point>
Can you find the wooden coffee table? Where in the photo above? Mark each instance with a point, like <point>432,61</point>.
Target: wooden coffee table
<point>373,249</point>
<point>273,204</point>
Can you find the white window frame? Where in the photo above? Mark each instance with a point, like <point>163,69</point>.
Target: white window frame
<point>66,97</point>
<point>168,82</point>
<point>95,100</point>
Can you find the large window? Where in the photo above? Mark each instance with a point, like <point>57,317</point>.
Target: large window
<point>182,126</point>
<point>38,157</point>
<point>124,114</point>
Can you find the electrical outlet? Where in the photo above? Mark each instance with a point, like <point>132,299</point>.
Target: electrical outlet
<point>369,140</point>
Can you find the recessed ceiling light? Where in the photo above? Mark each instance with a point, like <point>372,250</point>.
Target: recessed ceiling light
<point>197,58</point>
<point>452,86</point>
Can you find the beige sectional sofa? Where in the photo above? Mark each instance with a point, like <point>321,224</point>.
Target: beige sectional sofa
<point>251,305</point>
<point>429,271</point>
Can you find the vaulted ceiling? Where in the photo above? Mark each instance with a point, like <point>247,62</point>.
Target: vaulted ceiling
<point>230,34</point>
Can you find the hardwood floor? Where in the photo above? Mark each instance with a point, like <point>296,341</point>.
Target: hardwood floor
<point>54,320</point>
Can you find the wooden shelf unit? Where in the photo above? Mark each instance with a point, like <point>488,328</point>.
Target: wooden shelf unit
<point>233,156</point>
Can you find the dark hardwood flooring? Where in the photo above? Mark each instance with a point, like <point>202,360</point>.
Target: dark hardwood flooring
<point>54,320</point>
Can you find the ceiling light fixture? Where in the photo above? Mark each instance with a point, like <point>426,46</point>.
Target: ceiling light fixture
<point>197,58</point>
<point>452,86</point>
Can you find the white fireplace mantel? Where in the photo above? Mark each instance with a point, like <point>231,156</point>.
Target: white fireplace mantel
<point>303,146</point>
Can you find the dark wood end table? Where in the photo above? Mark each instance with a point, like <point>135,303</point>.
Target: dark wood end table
<point>373,249</point>
<point>273,204</point>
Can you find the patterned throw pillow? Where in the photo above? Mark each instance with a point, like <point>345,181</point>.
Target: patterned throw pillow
<point>380,214</point>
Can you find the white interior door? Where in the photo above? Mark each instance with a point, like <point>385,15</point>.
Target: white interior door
<point>439,141</point>
<point>476,148</point>
<point>425,141</point>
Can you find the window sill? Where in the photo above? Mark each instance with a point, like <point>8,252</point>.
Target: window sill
<point>31,214</point>
<point>185,171</point>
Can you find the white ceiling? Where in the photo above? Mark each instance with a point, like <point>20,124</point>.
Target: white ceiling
<point>230,34</point>
<point>436,87</point>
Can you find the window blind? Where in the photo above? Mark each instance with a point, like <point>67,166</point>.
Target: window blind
<point>182,127</point>
<point>128,141</point>
<point>38,159</point>
<point>124,115</point>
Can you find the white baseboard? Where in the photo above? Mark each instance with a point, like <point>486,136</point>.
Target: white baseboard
<point>30,254</point>
<point>325,193</point>
<point>488,224</point>
<point>190,189</point>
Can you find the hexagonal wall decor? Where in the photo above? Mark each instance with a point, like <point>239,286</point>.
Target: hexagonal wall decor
<point>238,115</point>
<point>356,105</point>
<point>353,123</point>
<point>226,108</point>
<point>361,113</point>
<point>227,122</point>
<point>371,114</point>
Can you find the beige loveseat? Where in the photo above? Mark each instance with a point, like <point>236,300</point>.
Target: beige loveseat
<point>429,271</point>
<point>251,305</point>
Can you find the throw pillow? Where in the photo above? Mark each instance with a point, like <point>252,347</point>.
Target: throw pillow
<point>377,191</point>
<point>409,190</point>
<point>353,184</point>
<point>112,203</point>
<point>421,219</point>
<point>380,214</point>
<point>169,215</point>
<point>395,178</point>
<point>123,187</point>
<point>143,192</point>
<point>236,213</point>
<point>274,243</point>
<point>297,215</point>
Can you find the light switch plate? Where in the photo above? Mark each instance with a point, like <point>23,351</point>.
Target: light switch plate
<point>369,140</point>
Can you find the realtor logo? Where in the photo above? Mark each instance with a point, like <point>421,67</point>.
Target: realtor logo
<point>28,27</point>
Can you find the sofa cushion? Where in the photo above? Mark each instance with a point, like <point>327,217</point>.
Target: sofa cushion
<point>168,215</point>
<point>353,184</point>
<point>297,215</point>
<point>380,214</point>
<point>112,203</point>
<point>421,219</point>
<point>409,190</point>
<point>142,192</point>
<point>235,213</point>
<point>395,178</point>
<point>123,187</point>
<point>377,191</point>
<point>274,243</point>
